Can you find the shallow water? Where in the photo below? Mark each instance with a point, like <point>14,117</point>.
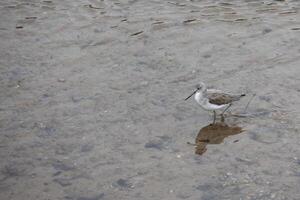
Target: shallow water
<point>92,99</point>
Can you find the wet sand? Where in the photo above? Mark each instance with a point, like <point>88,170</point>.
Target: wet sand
<point>91,99</point>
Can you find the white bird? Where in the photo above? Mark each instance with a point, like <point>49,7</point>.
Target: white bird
<point>212,100</point>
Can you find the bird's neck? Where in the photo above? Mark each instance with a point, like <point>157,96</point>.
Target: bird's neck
<point>199,95</point>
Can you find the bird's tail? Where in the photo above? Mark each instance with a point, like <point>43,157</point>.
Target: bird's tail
<point>238,97</point>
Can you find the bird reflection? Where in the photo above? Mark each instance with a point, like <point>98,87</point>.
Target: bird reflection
<point>214,134</point>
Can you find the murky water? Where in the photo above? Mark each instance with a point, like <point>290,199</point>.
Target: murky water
<point>92,99</point>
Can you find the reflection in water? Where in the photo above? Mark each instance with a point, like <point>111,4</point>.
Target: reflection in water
<point>214,134</point>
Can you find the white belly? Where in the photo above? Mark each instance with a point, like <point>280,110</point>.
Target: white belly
<point>204,103</point>
<point>209,106</point>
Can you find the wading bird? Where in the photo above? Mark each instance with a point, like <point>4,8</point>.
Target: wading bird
<point>212,100</point>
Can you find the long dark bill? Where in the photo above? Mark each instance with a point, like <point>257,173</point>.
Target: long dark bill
<point>191,95</point>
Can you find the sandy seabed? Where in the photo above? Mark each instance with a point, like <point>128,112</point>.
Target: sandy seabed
<point>91,99</point>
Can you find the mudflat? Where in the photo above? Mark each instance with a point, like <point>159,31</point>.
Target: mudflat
<point>92,99</point>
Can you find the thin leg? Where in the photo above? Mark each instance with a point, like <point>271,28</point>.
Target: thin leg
<point>215,115</point>
<point>222,114</point>
<point>226,109</point>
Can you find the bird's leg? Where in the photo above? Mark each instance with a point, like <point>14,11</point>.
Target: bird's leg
<point>226,109</point>
<point>222,114</point>
<point>215,115</point>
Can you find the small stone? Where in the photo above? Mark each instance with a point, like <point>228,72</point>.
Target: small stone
<point>155,144</point>
<point>97,197</point>
<point>206,56</point>
<point>62,182</point>
<point>61,80</point>
<point>123,183</point>
<point>267,30</point>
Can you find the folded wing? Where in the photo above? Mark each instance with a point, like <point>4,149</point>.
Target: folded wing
<point>222,98</point>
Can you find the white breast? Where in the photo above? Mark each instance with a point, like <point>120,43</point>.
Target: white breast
<point>204,102</point>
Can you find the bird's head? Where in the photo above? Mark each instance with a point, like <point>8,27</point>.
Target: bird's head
<point>200,86</point>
